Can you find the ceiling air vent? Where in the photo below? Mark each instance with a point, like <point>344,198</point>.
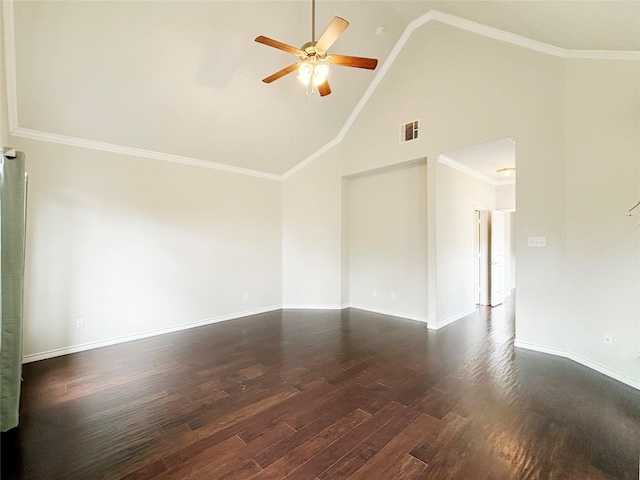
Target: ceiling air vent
<point>408,131</point>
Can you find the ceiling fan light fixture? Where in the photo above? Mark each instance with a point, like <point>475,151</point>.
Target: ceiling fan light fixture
<point>313,67</point>
<point>320,72</point>
<point>305,72</point>
<point>506,172</point>
<point>314,72</point>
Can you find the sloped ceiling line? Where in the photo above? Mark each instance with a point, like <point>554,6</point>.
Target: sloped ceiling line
<point>452,20</point>
<point>529,43</point>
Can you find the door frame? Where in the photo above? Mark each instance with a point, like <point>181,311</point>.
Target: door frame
<point>497,255</point>
<point>481,254</point>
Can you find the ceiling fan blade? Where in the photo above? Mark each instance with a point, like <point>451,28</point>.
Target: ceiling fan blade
<point>324,88</point>
<point>357,62</point>
<point>280,73</point>
<point>279,45</point>
<point>331,34</point>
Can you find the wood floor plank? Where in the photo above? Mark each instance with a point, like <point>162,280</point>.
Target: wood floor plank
<point>437,438</point>
<point>449,460</point>
<point>435,404</point>
<point>384,462</point>
<point>222,429</point>
<point>366,450</point>
<point>286,464</point>
<point>325,458</point>
<point>195,441</point>
<point>407,467</point>
<point>307,432</point>
<point>351,395</point>
<point>241,472</point>
<point>244,455</point>
<point>282,412</point>
<point>323,394</point>
<point>234,415</point>
<point>193,464</point>
<point>147,471</point>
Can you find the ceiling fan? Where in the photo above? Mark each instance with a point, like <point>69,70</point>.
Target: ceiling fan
<point>313,66</point>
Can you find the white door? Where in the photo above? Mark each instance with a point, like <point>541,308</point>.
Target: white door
<point>496,260</point>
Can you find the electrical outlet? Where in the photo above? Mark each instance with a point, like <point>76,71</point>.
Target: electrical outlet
<point>80,323</point>
<point>374,293</point>
<point>393,296</point>
<point>608,339</point>
<point>245,296</point>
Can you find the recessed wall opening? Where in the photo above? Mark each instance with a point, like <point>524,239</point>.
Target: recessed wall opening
<point>387,238</point>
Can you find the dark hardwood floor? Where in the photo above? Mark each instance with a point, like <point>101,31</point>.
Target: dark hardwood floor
<point>324,394</point>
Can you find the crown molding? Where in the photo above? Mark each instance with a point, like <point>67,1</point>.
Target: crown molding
<point>137,152</point>
<point>604,54</point>
<point>395,51</point>
<point>450,162</point>
<point>432,15</point>
<point>469,26</point>
<point>497,34</point>
<point>529,43</point>
<point>381,72</point>
<point>324,149</point>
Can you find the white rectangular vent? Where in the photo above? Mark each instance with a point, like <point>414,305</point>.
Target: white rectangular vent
<point>409,131</point>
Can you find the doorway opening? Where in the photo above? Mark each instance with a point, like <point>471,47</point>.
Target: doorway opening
<point>481,255</point>
<point>488,189</point>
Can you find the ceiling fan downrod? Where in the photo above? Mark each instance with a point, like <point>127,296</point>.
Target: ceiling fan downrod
<point>313,21</point>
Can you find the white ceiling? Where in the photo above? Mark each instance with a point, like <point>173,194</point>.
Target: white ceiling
<point>183,77</point>
<point>488,158</point>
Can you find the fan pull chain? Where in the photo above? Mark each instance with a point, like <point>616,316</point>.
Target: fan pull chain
<point>306,90</point>
<point>313,78</point>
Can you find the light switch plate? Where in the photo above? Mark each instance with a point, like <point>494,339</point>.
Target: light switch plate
<point>537,242</point>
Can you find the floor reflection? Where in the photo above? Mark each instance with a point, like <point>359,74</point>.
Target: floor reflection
<point>462,402</point>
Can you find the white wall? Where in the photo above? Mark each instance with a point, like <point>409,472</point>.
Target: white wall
<point>191,241</point>
<point>388,241</point>
<point>456,195</point>
<point>506,197</point>
<point>467,90</point>
<point>603,182</point>
<point>134,245</point>
<point>312,235</point>
<point>512,250</point>
<point>345,270</point>
<point>509,259</point>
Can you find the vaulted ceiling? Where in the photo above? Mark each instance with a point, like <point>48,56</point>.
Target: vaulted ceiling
<point>183,78</point>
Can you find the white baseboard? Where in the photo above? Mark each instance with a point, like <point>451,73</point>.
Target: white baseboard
<point>392,313</point>
<point>582,361</point>
<point>419,318</point>
<point>152,333</point>
<point>450,320</point>
<point>324,306</point>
